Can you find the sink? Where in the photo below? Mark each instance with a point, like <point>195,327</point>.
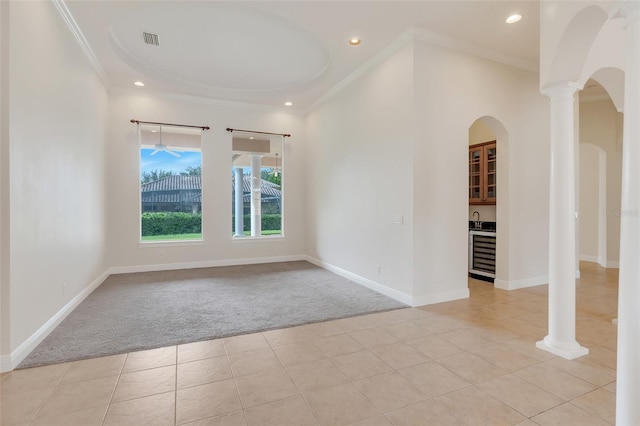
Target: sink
<point>484,226</point>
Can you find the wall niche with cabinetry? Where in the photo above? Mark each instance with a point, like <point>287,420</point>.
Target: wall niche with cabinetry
<point>482,173</point>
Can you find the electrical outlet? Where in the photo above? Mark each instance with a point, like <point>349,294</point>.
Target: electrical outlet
<point>378,269</point>
<point>398,219</point>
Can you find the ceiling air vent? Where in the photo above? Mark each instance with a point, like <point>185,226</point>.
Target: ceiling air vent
<point>151,39</point>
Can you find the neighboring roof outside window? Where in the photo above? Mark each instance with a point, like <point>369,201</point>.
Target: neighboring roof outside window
<point>194,183</point>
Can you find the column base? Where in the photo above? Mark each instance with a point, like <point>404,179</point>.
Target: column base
<point>570,350</point>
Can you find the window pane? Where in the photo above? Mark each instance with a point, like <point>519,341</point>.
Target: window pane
<point>170,183</point>
<point>491,154</point>
<point>256,190</point>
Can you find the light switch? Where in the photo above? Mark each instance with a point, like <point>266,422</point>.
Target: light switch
<point>398,219</point>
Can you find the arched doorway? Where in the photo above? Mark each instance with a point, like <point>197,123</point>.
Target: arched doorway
<point>487,129</point>
<point>592,205</point>
<point>600,171</point>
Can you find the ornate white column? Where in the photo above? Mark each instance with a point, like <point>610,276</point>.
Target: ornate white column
<point>628,368</point>
<point>256,195</point>
<point>561,339</point>
<point>239,204</point>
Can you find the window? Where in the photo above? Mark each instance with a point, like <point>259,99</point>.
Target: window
<point>170,183</point>
<point>256,201</point>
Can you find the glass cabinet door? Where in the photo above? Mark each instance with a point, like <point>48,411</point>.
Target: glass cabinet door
<point>490,174</point>
<point>475,175</point>
<point>482,173</point>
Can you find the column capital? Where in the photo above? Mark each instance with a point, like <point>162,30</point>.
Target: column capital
<point>627,9</point>
<point>561,89</point>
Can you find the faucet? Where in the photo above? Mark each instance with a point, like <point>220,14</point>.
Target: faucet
<point>477,224</point>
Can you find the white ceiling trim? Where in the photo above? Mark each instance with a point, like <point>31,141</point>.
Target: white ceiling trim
<point>428,37</point>
<point>470,48</point>
<point>82,41</point>
<point>371,63</point>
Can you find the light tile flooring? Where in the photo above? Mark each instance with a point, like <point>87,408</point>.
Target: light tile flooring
<point>467,362</point>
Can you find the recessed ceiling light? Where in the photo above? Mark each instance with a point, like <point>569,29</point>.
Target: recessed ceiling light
<point>139,83</point>
<point>250,137</point>
<point>288,103</point>
<point>355,41</point>
<point>513,19</point>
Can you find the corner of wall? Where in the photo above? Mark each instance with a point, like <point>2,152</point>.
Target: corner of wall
<point>4,187</point>
<point>521,283</point>
<point>10,361</point>
<point>440,297</point>
<point>373,285</point>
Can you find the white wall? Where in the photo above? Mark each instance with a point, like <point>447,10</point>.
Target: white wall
<point>452,91</point>
<point>360,175</point>
<point>123,176</point>
<point>589,201</point>
<point>4,184</point>
<point>600,125</point>
<point>57,115</point>
<point>412,139</point>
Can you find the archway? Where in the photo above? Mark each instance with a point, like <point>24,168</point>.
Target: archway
<point>592,205</point>
<point>612,80</point>
<point>575,44</point>
<point>600,168</point>
<point>485,129</point>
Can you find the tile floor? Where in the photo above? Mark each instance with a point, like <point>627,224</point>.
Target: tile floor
<point>466,362</point>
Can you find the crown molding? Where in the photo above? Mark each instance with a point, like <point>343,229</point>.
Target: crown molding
<point>172,96</point>
<point>82,41</point>
<point>430,37</point>
<point>412,34</point>
<point>401,41</point>
<point>472,49</point>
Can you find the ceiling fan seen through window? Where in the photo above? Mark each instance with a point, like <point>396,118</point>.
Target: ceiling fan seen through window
<point>162,147</point>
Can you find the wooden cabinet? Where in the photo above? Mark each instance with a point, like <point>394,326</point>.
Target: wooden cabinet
<point>482,173</point>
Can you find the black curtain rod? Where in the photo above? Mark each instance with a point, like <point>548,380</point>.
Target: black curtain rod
<point>169,124</point>
<point>286,135</point>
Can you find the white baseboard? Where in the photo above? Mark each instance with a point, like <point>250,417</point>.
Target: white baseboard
<point>524,282</point>
<point>9,362</point>
<point>521,283</point>
<point>443,296</point>
<point>426,299</point>
<point>203,264</point>
<point>600,261</point>
<point>373,285</point>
